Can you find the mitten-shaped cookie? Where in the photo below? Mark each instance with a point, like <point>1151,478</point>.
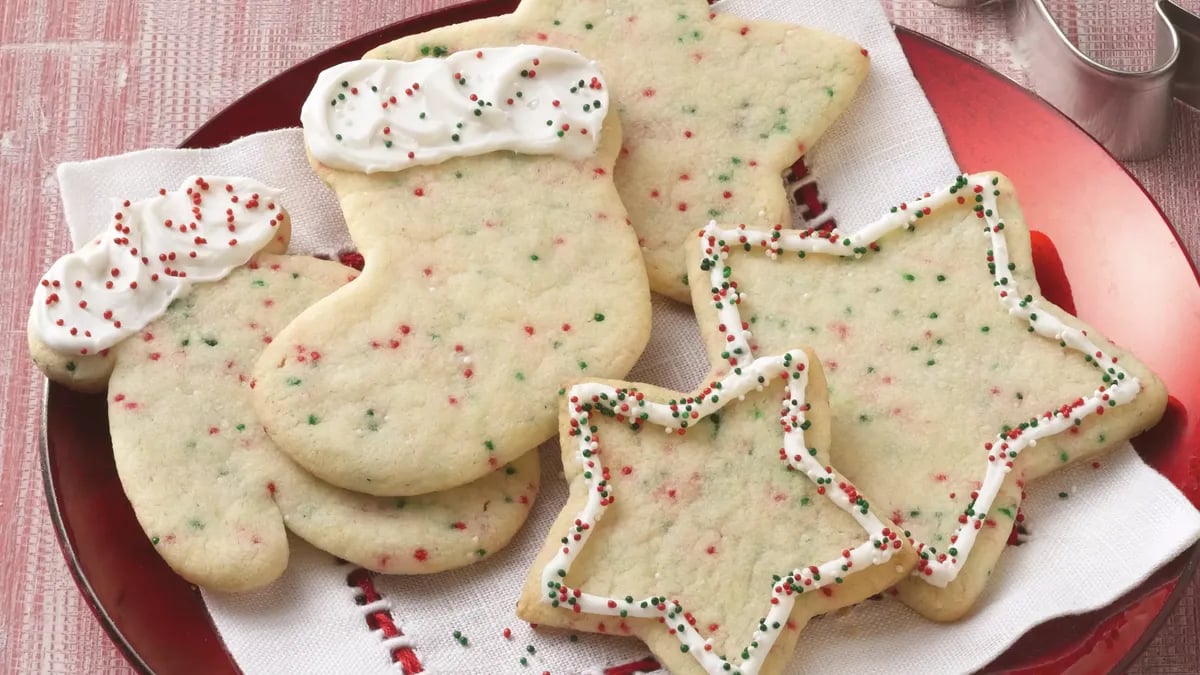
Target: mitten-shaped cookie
<point>211,491</point>
<point>499,263</point>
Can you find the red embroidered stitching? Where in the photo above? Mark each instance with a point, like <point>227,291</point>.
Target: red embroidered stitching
<point>643,666</point>
<point>348,257</point>
<point>808,195</point>
<point>383,620</point>
<point>352,259</point>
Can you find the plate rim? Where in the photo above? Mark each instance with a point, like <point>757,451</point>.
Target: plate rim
<point>131,655</point>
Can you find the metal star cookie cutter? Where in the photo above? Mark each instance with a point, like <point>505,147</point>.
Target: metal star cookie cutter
<point>1128,112</point>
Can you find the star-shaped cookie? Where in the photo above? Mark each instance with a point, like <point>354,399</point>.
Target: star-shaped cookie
<point>951,381</point>
<point>714,108</point>
<point>715,541</point>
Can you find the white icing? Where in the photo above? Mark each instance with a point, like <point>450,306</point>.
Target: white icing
<point>627,404</point>
<point>1122,387</point>
<point>154,251</point>
<point>381,115</point>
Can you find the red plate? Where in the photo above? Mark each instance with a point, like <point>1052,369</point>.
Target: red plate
<point>1131,278</point>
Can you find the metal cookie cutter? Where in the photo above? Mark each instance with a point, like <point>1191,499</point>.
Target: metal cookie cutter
<point>1128,112</point>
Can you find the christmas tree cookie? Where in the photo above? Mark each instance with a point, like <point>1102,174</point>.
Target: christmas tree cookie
<point>211,491</point>
<point>499,264</point>
<point>711,525</point>
<point>714,108</point>
<point>952,383</point>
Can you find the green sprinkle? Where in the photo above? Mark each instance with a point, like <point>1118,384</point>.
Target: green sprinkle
<point>489,445</point>
<point>154,540</point>
<point>481,552</point>
<point>210,341</point>
<point>509,470</point>
<point>71,366</point>
<point>598,316</point>
<point>583,365</point>
<point>1063,495</point>
<point>534,257</point>
<point>195,524</point>
<point>313,420</point>
<point>941,277</point>
<point>909,277</point>
<point>293,381</point>
<point>240,427</point>
<point>984,329</point>
<point>520,376</point>
<point>588,25</point>
<point>259,282</point>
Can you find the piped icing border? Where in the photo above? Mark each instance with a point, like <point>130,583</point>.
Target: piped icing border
<point>675,416</point>
<point>382,115</point>
<point>152,253</point>
<point>1117,386</point>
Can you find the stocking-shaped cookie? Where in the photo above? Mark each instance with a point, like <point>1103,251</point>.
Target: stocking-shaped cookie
<point>714,107</point>
<point>211,491</point>
<point>499,263</point>
<point>951,381</point>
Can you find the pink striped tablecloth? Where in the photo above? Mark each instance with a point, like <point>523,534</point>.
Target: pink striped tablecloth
<point>86,79</point>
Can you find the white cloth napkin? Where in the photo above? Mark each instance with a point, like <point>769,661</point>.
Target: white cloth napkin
<point>886,149</point>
